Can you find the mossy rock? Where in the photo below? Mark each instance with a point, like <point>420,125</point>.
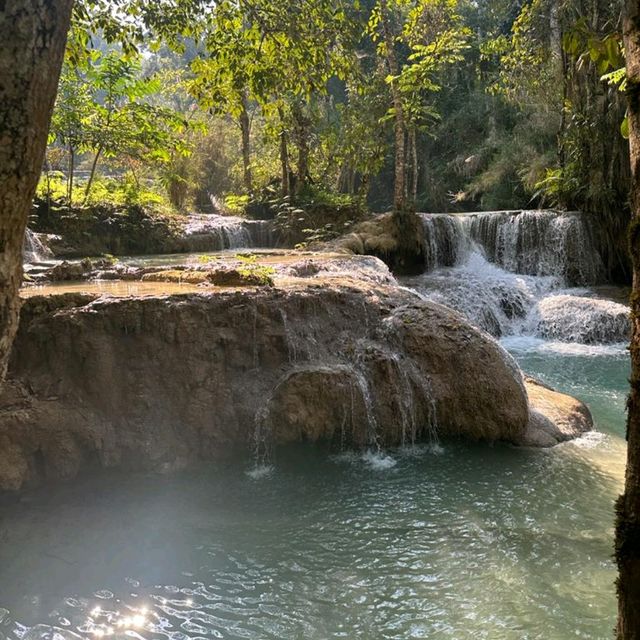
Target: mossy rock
<point>177,275</point>
<point>240,278</point>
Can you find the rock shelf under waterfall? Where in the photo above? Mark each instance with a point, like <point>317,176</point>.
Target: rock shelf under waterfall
<point>160,382</point>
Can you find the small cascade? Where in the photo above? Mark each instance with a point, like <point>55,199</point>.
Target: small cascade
<point>542,243</point>
<point>427,398</point>
<point>446,239</point>
<point>372,422</point>
<point>494,299</point>
<point>262,233</point>
<point>262,439</point>
<point>288,335</point>
<point>213,232</point>
<point>216,233</point>
<point>34,249</point>
<point>511,273</point>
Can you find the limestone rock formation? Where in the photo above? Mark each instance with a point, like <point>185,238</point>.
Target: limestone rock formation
<point>162,382</point>
<point>581,319</point>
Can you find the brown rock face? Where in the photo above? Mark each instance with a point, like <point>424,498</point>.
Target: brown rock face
<point>161,382</point>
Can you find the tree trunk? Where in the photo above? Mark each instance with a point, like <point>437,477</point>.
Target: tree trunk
<point>628,505</point>
<point>399,127</point>
<point>70,170</point>
<point>92,175</point>
<point>284,155</point>
<point>302,129</point>
<point>33,35</point>
<point>414,164</point>
<point>245,128</point>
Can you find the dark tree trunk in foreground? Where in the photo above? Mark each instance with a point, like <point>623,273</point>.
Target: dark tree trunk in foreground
<point>33,36</point>
<point>284,154</point>
<point>302,131</point>
<point>628,506</point>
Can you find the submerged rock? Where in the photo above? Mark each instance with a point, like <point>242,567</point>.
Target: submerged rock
<point>161,382</point>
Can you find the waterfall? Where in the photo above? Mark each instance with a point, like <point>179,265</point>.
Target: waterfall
<point>446,238</point>
<point>539,243</point>
<point>215,233</point>
<point>262,233</point>
<point>34,249</point>
<point>492,298</point>
<point>212,232</point>
<point>365,393</point>
<point>507,284</point>
<point>292,352</point>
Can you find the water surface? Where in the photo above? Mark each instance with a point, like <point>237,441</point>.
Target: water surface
<point>462,541</point>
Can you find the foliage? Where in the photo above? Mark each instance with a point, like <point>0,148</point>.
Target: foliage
<point>251,269</point>
<point>122,191</point>
<point>269,109</point>
<point>103,109</point>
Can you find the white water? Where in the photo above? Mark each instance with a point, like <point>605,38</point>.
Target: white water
<point>511,274</point>
<point>539,242</point>
<point>34,250</point>
<point>212,232</point>
<point>216,233</point>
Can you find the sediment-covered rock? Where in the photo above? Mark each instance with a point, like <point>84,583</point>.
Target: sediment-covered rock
<point>160,382</point>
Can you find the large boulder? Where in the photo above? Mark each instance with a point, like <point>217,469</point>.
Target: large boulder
<point>161,382</point>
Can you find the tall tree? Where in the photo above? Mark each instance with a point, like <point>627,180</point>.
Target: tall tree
<point>33,34</point>
<point>628,507</point>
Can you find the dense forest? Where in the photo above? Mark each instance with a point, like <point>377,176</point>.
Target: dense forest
<point>258,108</point>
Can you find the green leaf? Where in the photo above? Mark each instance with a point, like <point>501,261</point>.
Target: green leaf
<point>624,128</point>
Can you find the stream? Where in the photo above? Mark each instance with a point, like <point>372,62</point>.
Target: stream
<point>443,541</point>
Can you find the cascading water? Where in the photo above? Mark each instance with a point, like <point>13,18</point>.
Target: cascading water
<point>575,318</point>
<point>216,233</point>
<point>539,242</point>
<point>262,233</point>
<point>447,241</point>
<point>372,423</point>
<point>212,232</point>
<point>34,250</point>
<point>511,273</point>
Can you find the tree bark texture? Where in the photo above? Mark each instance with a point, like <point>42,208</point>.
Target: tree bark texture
<point>628,506</point>
<point>33,36</point>
<point>245,128</point>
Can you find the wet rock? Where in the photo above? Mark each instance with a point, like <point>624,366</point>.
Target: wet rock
<point>176,275</point>
<point>317,403</point>
<point>159,383</point>
<point>364,268</point>
<point>14,468</point>
<point>554,417</point>
<point>464,371</point>
<point>70,271</point>
<point>581,319</point>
